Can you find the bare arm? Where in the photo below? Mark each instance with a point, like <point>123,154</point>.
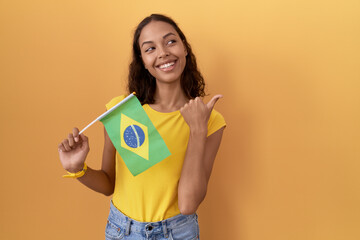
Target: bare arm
<point>195,175</point>
<point>73,152</point>
<point>200,155</point>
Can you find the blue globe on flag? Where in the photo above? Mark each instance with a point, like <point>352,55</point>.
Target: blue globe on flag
<point>134,136</point>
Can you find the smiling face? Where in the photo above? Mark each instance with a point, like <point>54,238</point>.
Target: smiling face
<point>162,51</point>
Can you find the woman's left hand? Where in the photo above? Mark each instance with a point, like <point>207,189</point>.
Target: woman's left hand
<point>196,113</point>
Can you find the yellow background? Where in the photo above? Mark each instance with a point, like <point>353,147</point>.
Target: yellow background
<point>288,167</point>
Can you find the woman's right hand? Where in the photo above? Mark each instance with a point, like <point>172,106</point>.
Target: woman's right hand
<point>73,151</point>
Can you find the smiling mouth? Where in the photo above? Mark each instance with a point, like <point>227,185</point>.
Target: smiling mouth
<point>167,66</point>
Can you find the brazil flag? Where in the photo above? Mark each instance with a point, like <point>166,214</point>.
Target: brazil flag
<point>134,136</point>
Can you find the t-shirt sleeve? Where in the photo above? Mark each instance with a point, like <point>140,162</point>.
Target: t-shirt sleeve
<point>216,121</point>
<point>114,101</point>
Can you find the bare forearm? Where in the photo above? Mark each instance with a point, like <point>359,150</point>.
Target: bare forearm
<point>193,182</point>
<point>98,181</point>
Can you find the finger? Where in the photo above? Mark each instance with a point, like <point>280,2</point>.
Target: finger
<point>199,101</point>
<point>84,138</point>
<point>65,143</point>
<point>76,134</point>
<point>212,102</point>
<point>85,141</point>
<point>71,140</point>
<point>61,148</point>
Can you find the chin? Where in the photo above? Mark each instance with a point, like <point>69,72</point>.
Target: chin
<point>170,78</point>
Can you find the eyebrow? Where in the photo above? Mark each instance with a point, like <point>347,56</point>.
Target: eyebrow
<point>165,36</point>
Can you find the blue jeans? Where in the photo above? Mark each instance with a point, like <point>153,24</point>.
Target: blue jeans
<point>179,227</point>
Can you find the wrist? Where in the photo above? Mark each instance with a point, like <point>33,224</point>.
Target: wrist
<point>74,168</point>
<point>198,132</point>
<point>76,174</point>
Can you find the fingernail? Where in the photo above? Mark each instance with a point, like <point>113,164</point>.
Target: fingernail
<point>76,139</point>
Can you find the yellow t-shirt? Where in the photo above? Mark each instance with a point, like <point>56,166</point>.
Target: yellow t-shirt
<point>153,194</point>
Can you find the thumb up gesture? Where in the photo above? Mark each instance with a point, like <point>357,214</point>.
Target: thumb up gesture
<point>196,113</point>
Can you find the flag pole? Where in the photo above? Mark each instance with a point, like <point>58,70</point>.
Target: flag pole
<point>107,112</point>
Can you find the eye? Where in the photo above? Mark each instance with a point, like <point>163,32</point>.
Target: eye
<point>171,42</point>
<point>149,49</point>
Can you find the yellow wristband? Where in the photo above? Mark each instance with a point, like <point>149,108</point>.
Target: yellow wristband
<point>77,174</point>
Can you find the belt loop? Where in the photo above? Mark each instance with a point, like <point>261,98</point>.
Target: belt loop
<point>165,229</point>
<point>127,231</point>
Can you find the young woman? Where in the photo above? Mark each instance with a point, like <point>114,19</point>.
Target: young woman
<point>161,202</point>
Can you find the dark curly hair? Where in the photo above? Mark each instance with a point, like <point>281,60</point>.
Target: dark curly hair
<point>144,84</point>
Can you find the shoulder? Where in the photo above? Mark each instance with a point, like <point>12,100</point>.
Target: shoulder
<point>216,121</point>
<point>114,101</point>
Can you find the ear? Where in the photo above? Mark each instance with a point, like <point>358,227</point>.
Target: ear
<point>186,52</point>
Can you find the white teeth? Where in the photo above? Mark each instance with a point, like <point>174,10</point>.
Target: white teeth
<point>166,65</point>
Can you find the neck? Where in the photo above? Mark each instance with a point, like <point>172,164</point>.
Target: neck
<point>169,97</point>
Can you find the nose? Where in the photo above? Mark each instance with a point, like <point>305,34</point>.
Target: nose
<point>163,52</point>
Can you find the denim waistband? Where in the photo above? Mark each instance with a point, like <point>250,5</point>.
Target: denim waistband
<point>132,225</point>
